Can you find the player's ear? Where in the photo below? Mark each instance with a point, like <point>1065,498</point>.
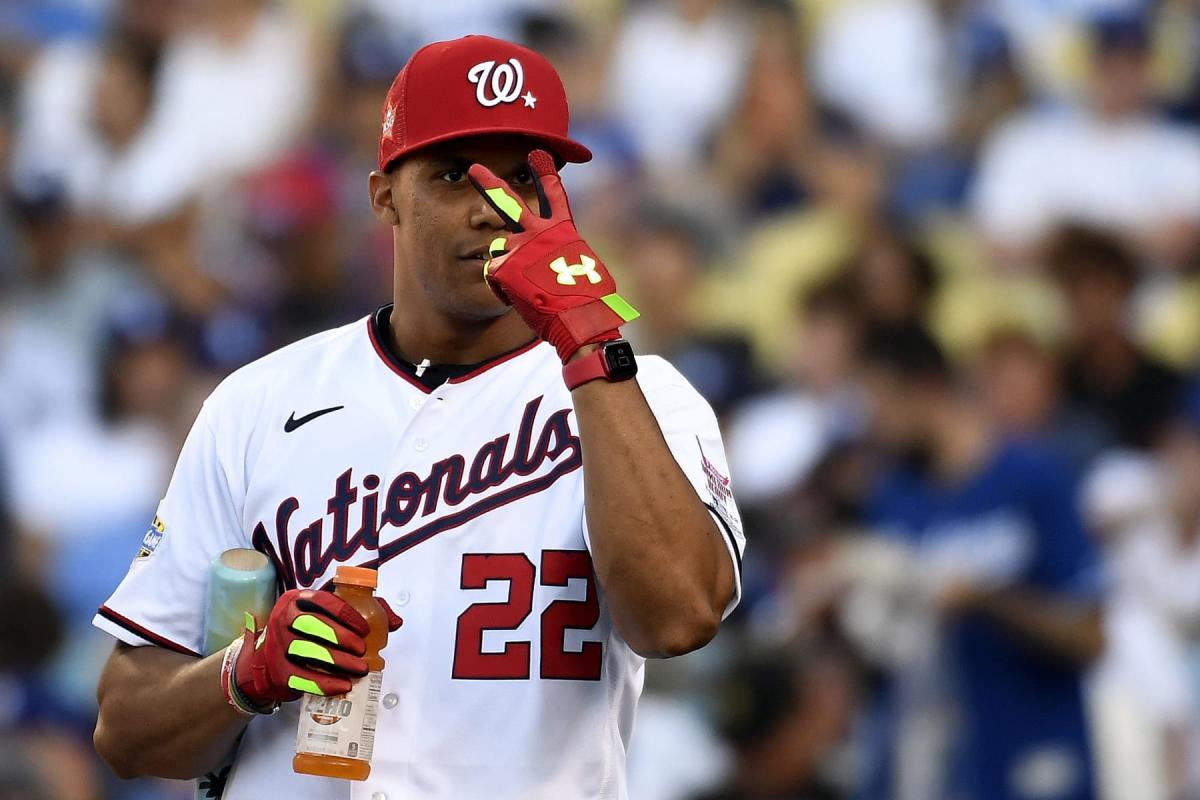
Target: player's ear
<point>383,202</point>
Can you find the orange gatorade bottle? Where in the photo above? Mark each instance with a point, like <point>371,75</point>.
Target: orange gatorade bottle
<point>337,734</point>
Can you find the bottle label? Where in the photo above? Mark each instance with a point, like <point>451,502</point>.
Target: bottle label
<point>343,725</point>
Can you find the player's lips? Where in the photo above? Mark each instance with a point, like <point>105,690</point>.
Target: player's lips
<point>478,254</point>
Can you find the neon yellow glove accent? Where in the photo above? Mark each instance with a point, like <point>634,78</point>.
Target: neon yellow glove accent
<point>307,623</point>
<point>506,203</point>
<point>621,307</point>
<point>304,685</point>
<point>306,649</point>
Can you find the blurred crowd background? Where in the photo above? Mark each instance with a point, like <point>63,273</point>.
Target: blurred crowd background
<point>935,264</point>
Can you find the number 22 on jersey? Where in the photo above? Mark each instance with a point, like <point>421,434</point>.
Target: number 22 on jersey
<point>558,567</point>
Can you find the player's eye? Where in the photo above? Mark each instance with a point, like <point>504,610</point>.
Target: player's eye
<point>454,175</point>
<point>523,178</point>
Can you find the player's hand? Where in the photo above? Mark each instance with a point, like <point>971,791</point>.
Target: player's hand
<point>313,641</point>
<point>544,268</point>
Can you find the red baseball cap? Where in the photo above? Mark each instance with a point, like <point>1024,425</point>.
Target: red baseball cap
<point>475,85</point>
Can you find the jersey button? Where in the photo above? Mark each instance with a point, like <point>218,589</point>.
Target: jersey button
<point>415,403</point>
<point>378,796</point>
<point>403,597</point>
<point>390,699</point>
<point>421,445</point>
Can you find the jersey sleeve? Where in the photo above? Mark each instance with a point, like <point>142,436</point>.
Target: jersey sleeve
<point>162,598</point>
<point>690,428</point>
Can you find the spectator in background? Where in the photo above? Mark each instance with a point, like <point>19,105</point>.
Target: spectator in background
<point>52,313</point>
<point>113,465</point>
<point>1179,454</point>
<point>677,66</point>
<point>244,60</point>
<point>1143,707</point>
<point>1046,38</point>
<point>368,59</point>
<point>1114,163</point>
<point>988,87</point>
<point>1018,382</point>
<point>230,59</point>
<point>80,503</point>
<point>7,245</point>
<point>998,549</point>
<point>65,108</point>
<point>884,64</point>
<point>44,749</point>
<point>18,780</point>
<point>761,155</point>
<point>791,252</point>
<point>416,23</point>
<point>894,278</point>
<point>775,440</point>
<point>1112,386</point>
<point>292,222</point>
<point>112,160</point>
<point>1020,387</point>
<point>664,252</point>
<point>787,715</point>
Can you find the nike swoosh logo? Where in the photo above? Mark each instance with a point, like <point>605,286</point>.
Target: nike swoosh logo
<point>293,423</point>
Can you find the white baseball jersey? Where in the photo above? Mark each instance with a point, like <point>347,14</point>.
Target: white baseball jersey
<point>507,679</point>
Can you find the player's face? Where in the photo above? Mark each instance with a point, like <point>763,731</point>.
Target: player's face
<point>443,225</point>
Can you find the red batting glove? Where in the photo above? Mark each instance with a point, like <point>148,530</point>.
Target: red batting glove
<point>313,641</point>
<point>544,268</point>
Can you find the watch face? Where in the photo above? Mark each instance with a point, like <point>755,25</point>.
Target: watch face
<point>618,356</point>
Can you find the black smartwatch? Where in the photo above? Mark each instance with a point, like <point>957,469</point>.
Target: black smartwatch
<point>612,361</point>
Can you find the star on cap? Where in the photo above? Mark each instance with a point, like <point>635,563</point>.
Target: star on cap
<point>530,100</point>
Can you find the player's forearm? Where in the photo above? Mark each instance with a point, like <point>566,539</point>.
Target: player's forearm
<point>163,714</point>
<point>1065,630</point>
<point>657,552</point>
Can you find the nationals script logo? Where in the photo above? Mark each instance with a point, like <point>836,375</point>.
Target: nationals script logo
<point>302,553</point>
<point>504,82</point>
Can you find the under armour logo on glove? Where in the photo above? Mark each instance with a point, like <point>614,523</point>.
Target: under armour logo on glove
<point>567,273</point>
<point>536,268</point>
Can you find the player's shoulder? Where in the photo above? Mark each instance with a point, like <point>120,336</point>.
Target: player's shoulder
<point>656,370</point>
<point>665,387</point>
<point>293,362</point>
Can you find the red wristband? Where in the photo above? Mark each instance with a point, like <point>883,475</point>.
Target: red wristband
<point>588,368</point>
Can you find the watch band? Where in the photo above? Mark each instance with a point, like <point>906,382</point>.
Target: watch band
<point>592,366</point>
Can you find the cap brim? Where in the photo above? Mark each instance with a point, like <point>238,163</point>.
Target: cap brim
<point>565,149</point>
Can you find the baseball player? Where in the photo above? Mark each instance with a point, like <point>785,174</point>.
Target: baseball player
<point>542,520</point>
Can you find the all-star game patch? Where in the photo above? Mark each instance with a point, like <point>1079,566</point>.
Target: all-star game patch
<point>153,536</point>
<point>719,490</point>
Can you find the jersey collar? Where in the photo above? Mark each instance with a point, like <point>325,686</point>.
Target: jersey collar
<point>435,375</point>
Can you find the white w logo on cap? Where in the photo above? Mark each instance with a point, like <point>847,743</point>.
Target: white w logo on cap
<point>504,81</point>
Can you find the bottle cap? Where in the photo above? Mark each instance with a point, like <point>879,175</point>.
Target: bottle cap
<point>357,576</point>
